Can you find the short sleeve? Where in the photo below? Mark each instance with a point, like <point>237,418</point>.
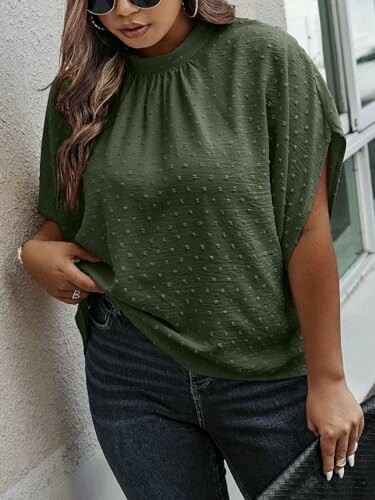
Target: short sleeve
<point>55,131</point>
<point>303,125</point>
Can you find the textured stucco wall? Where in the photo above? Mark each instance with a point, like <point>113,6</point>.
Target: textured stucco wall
<point>45,426</point>
<point>44,418</point>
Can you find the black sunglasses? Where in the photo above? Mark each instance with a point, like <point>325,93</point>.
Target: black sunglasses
<point>101,7</point>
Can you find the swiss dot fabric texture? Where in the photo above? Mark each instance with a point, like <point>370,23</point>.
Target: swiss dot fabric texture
<point>196,193</point>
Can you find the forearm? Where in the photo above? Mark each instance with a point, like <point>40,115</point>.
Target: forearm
<point>49,231</point>
<point>314,282</point>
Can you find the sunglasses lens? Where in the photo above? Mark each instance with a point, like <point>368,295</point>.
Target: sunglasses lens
<point>145,4</point>
<point>104,6</point>
<point>100,6</point>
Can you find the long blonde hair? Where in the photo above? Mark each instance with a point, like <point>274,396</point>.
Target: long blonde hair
<point>92,62</point>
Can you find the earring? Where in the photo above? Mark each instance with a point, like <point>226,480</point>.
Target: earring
<point>96,25</point>
<point>195,11</point>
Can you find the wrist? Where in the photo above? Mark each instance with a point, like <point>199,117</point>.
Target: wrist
<point>21,249</point>
<point>325,377</point>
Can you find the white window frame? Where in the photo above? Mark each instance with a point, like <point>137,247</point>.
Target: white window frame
<point>360,117</point>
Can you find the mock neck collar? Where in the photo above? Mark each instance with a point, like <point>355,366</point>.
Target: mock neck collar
<point>191,44</point>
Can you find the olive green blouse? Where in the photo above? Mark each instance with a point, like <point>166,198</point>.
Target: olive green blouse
<point>196,193</point>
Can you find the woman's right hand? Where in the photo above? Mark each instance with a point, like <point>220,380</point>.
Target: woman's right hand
<point>51,265</point>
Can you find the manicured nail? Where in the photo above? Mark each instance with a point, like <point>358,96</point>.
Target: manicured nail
<point>356,446</point>
<point>341,472</point>
<point>351,460</point>
<point>329,475</point>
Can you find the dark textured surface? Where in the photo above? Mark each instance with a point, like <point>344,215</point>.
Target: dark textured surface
<point>304,478</point>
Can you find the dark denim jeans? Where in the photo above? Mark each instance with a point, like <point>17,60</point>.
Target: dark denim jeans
<point>166,431</point>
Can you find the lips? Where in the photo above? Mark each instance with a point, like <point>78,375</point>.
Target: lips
<point>132,26</point>
<point>135,32</point>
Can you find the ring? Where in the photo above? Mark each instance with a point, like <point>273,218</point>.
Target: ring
<point>76,294</point>
<point>340,462</point>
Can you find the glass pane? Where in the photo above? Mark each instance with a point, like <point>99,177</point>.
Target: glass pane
<point>362,19</point>
<point>303,22</point>
<point>371,150</point>
<point>345,224</point>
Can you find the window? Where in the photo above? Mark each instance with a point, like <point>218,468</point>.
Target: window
<point>362,21</point>
<point>303,22</point>
<point>346,227</point>
<point>371,150</point>
<point>339,36</point>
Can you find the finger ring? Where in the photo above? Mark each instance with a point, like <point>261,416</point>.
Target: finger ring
<point>340,462</point>
<point>76,294</point>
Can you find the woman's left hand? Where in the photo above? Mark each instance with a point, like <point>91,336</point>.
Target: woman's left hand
<point>334,414</point>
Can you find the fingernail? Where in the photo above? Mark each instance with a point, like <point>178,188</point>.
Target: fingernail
<point>356,446</point>
<point>351,460</point>
<point>329,475</point>
<point>341,472</point>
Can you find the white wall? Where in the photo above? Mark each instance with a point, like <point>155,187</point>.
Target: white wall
<point>45,425</point>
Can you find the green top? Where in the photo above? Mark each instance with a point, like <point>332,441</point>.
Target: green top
<point>196,193</point>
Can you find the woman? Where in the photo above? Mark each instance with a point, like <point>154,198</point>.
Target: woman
<point>188,175</point>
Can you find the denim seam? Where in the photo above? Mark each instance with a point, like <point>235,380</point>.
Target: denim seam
<point>216,469</point>
<point>235,475</point>
<point>196,400</point>
<point>109,315</point>
<point>204,385</point>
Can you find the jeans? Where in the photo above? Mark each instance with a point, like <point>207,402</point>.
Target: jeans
<point>165,431</point>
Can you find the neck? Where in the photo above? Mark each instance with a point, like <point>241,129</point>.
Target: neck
<point>172,39</point>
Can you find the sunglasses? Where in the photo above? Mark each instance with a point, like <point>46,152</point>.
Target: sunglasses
<point>102,7</point>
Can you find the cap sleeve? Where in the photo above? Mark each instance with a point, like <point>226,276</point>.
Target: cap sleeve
<point>304,125</point>
<point>55,131</point>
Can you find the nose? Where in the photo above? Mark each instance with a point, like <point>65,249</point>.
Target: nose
<point>125,7</point>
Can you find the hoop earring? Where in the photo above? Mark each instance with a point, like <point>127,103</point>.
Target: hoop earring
<point>96,25</point>
<point>195,10</point>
